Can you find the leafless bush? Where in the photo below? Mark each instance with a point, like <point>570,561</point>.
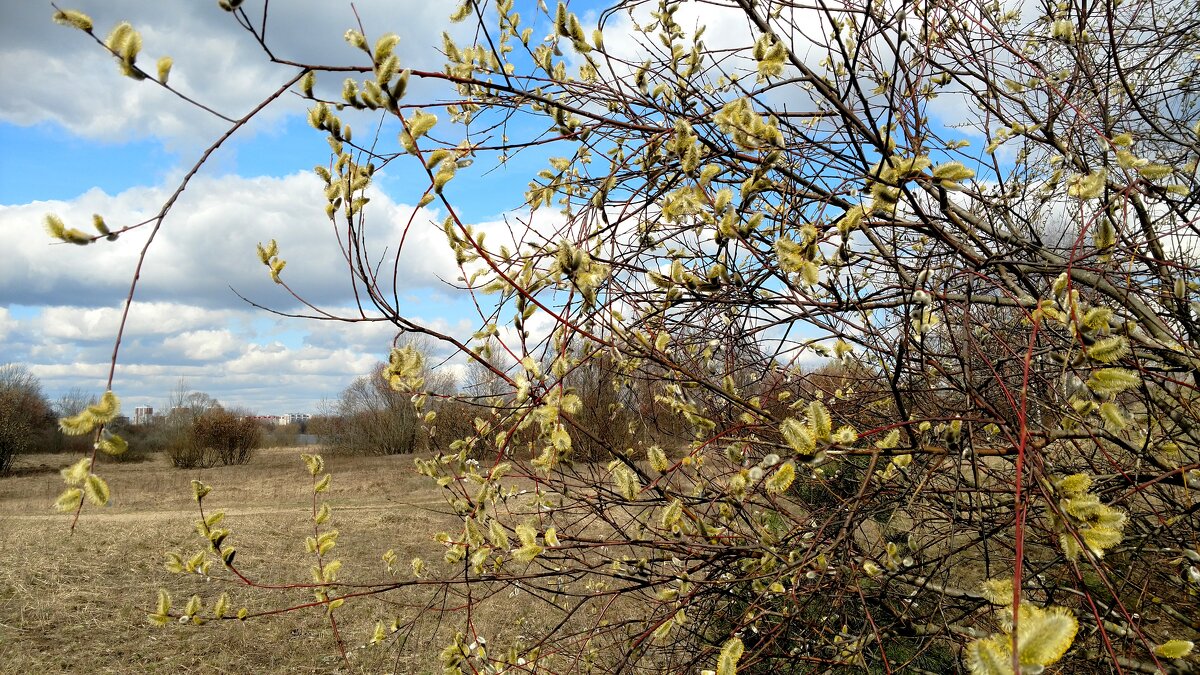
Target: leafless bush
<point>230,436</point>
<point>186,452</point>
<point>279,436</point>
<point>25,418</point>
<point>373,419</point>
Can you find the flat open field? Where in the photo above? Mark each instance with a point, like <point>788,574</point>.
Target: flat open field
<point>78,602</point>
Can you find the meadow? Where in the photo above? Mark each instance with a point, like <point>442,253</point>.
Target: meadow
<point>77,601</point>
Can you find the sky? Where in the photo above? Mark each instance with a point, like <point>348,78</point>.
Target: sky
<point>77,138</point>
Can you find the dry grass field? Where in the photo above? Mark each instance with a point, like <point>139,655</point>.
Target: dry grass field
<point>77,602</point>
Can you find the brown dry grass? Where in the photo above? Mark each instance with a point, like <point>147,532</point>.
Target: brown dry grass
<point>77,602</point>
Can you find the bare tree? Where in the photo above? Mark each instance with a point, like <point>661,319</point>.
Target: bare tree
<point>373,419</point>
<point>74,401</point>
<point>370,417</point>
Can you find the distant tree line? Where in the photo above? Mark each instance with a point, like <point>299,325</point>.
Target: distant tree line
<point>615,412</point>
<point>196,432</point>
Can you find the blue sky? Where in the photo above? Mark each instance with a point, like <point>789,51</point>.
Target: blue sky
<point>77,138</point>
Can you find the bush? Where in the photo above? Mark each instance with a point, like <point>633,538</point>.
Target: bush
<point>26,424</point>
<point>215,436</point>
<point>156,436</point>
<point>16,436</point>
<point>275,436</point>
<point>229,436</point>
<point>186,453</point>
<point>373,419</point>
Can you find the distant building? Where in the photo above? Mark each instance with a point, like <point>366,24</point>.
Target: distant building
<point>143,414</point>
<point>281,420</point>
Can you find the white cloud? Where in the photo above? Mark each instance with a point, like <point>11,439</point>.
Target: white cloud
<point>54,73</point>
<point>202,345</point>
<point>208,245</point>
<point>238,356</point>
<point>185,322</point>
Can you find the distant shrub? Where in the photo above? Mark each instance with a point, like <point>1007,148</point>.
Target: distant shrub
<point>230,436</point>
<point>284,436</point>
<point>186,453</point>
<point>16,436</point>
<point>171,436</point>
<point>25,420</point>
<point>373,419</point>
<point>137,451</point>
<point>157,436</point>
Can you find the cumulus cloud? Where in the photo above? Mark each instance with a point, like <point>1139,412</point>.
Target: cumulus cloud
<point>208,245</point>
<point>185,321</point>
<point>728,34</point>
<point>241,357</point>
<point>6,323</point>
<point>203,345</point>
<point>53,73</point>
